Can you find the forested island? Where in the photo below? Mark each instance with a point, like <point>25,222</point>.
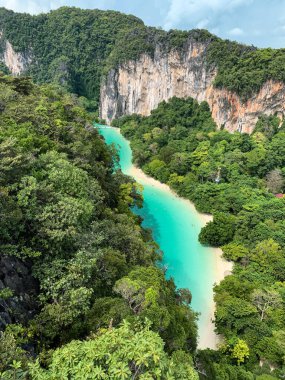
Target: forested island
<point>82,291</point>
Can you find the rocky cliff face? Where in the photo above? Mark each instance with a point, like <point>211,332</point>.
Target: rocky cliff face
<point>16,276</point>
<point>16,62</point>
<point>138,86</point>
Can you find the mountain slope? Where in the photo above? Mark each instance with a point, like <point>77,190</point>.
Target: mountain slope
<point>74,259</point>
<point>135,67</point>
<point>239,86</point>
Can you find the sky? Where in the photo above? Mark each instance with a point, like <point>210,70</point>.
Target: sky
<point>254,22</point>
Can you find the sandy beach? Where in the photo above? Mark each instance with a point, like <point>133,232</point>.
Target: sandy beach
<point>207,338</point>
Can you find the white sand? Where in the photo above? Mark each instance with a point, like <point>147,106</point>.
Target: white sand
<point>207,338</point>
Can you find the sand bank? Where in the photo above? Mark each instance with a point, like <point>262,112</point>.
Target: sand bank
<point>207,337</point>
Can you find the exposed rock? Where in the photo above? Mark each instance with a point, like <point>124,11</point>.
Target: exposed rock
<point>16,275</point>
<point>138,87</point>
<point>17,63</point>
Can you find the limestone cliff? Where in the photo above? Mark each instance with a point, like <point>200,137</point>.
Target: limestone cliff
<point>138,86</point>
<point>17,63</point>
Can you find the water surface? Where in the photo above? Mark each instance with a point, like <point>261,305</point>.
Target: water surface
<point>176,225</point>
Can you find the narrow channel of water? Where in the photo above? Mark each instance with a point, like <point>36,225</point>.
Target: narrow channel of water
<point>176,224</point>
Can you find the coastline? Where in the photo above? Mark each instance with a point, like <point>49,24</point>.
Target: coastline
<point>207,338</point>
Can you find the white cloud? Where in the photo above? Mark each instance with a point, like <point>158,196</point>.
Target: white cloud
<point>215,30</point>
<point>236,32</point>
<point>30,6</point>
<point>196,10</point>
<point>202,24</point>
<point>39,6</point>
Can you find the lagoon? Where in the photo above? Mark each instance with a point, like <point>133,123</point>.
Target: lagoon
<point>175,225</point>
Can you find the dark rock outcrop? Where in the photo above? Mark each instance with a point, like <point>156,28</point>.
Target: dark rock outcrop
<point>16,275</point>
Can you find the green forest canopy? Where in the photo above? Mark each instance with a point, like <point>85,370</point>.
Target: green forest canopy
<point>234,177</point>
<point>65,213</point>
<point>77,47</point>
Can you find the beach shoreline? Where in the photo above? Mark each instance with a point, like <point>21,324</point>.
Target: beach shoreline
<point>207,336</point>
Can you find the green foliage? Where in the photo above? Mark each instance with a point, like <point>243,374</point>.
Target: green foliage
<point>76,48</point>
<point>244,69</point>
<point>13,358</point>
<point>218,232</point>
<point>69,45</point>
<point>233,177</point>
<point>235,252</point>
<point>65,215</point>
<point>240,351</point>
<point>150,296</point>
<point>6,293</point>
<point>121,353</point>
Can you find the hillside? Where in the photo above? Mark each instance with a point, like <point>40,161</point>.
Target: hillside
<point>84,292</point>
<point>74,259</point>
<point>234,177</point>
<point>90,51</point>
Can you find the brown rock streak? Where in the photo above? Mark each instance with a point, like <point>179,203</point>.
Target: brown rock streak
<point>138,87</point>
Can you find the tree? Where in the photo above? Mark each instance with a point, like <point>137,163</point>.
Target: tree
<point>240,351</point>
<point>149,295</point>
<point>158,169</point>
<point>10,352</point>
<point>218,232</point>
<point>265,299</point>
<point>105,312</point>
<point>233,314</point>
<point>270,351</point>
<point>266,251</point>
<point>231,285</point>
<point>268,125</point>
<point>234,251</point>
<point>13,161</point>
<point>145,290</point>
<point>130,195</point>
<point>180,163</point>
<point>117,354</point>
<point>200,154</point>
<point>275,181</point>
<point>184,296</point>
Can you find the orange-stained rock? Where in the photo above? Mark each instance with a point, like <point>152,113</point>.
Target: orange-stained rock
<point>138,86</point>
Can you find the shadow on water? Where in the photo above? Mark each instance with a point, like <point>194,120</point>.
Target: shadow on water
<point>175,227</point>
<point>149,220</point>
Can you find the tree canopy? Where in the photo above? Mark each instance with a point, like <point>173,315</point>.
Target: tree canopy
<point>75,48</point>
<point>67,230</point>
<point>235,177</point>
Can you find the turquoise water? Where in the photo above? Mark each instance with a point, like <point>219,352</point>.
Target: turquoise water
<point>175,225</point>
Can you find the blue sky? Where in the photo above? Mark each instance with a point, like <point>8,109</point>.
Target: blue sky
<point>257,22</point>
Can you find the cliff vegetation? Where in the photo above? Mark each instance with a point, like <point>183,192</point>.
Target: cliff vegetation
<point>239,178</point>
<point>79,280</point>
<point>76,48</point>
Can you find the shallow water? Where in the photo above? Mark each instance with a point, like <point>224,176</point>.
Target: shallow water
<point>175,225</point>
